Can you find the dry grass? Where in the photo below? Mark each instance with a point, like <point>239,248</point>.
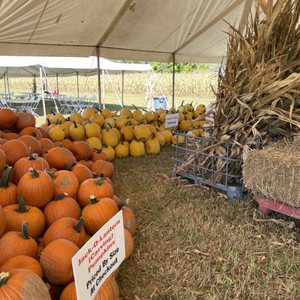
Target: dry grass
<point>193,244</point>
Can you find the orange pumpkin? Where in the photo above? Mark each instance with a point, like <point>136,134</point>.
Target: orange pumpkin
<point>14,150</point>
<point>18,284</point>
<point>62,206</point>
<point>9,135</point>
<point>24,164</point>
<point>31,143</point>
<point>82,172</point>
<point>129,219</point>
<point>98,187</point>
<point>68,144</point>
<point>8,118</point>
<point>2,161</point>
<point>128,243</point>
<point>43,132</point>
<point>87,163</point>
<point>100,155</point>
<point>8,190</point>
<point>24,119</point>
<point>59,157</point>
<point>33,131</point>
<point>102,167</point>
<point>65,182</point>
<point>108,291</point>
<point>22,262</point>
<point>36,187</point>
<point>66,228</point>
<point>46,145</point>
<point>15,214</point>
<point>56,261</point>
<point>116,199</point>
<point>2,221</point>
<point>97,213</point>
<point>82,150</point>
<point>12,243</point>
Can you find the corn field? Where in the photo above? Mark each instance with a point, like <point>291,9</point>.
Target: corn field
<point>192,85</point>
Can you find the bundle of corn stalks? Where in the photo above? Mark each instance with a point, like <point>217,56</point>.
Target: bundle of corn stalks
<point>258,94</point>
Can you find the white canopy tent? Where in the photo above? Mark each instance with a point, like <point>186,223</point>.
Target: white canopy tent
<point>168,30</point>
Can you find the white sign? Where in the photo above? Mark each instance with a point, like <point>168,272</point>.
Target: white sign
<point>171,120</point>
<point>99,258</point>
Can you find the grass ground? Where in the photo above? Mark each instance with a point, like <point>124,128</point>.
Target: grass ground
<point>192,243</point>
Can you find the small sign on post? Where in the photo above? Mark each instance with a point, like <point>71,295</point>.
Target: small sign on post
<point>99,258</point>
<point>171,120</point>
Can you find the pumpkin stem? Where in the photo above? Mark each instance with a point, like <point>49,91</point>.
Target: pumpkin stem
<point>60,197</point>
<point>34,173</point>
<point>75,124</point>
<point>121,205</point>
<point>48,122</point>
<point>51,174</point>
<point>5,177</point>
<point>3,278</point>
<point>31,154</point>
<point>21,207</point>
<point>134,107</point>
<point>68,167</point>
<point>79,225</point>
<point>93,200</point>
<point>24,232</point>
<point>100,180</point>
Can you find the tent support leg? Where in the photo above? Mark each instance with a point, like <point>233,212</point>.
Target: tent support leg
<point>42,92</point>
<point>173,81</point>
<point>77,84</point>
<point>57,82</point>
<point>99,78</point>
<point>4,79</point>
<point>103,90</point>
<point>8,87</point>
<point>122,99</point>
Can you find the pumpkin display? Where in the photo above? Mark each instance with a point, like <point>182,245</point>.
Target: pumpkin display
<point>36,187</point>
<point>15,214</point>
<point>56,261</point>
<point>98,187</point>
<point>97,213</point>
<point>101,167</point>
<point>59,157</point>
<point>24,164</point>
<point>12,243</point>
<point>66,228</point>
<point>8,190</point>
<point>2,221</point>
<point>14,150</point>
<point>22,284</point>
<point>60,207</point>
<point>8,118</point>
<point>22,262</point>
<point>32,143</point>
<point>65,182</point>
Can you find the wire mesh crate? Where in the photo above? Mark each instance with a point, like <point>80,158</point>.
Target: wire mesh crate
<point>194,161</point>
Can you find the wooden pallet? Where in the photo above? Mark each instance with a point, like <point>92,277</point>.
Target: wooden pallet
<point>267,205</point>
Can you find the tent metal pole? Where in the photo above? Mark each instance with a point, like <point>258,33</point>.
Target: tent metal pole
<point>4,79</point>
<point>57,82</point>
<point>99,78</point>
<point>122,99</point>
<point>42,92</point>
<point>77,85</point>
<point>8,87</point>
<point>103,90</point>
<point>173,81</point>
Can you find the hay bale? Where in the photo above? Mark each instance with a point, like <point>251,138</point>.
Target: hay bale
<point>274,172</point>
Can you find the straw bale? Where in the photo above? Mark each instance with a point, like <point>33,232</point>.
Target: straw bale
<point>274,172</point>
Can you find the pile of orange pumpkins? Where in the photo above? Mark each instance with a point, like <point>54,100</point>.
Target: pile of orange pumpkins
<point>53,198</point>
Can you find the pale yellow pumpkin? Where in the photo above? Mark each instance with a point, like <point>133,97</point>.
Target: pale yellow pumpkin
<point>106,113</point>
<point>56,133</point>
<point>152,146</point>
<point>121,122</point>
<point>126,112</point>
<point>77,118</point>
<point>92,130</point>
<point>109,138</point>
<point>137,149</point>
<point>142,132</point>
<point>95,143</point>
<point>149,116</point>
<point>98,119</point>
<point>127,133</point>
<point>88,112</point>
<point>168,136</point>
<point>161,138</point>
<point>76,131</point>
<point>110,152</point>
<point>122,150</point>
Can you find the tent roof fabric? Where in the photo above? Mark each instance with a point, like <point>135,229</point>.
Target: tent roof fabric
<point>193,30</point>
<point>27,66</point>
